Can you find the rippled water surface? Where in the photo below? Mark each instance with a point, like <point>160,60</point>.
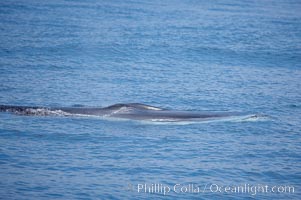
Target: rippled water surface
<point>240,56</point>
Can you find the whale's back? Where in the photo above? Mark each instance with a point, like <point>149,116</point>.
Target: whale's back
<point>133,111</point>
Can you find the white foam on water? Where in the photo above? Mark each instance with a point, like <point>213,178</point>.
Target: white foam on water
<point>42,112</point>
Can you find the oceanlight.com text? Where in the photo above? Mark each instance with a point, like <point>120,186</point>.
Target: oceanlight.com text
<point>164,189</point>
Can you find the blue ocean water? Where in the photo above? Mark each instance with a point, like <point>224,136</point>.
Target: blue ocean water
<point>186,55</point>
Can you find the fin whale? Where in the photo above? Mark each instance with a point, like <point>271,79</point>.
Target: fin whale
<point>133,111</point>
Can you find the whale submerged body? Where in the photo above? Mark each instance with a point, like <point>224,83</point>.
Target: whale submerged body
<point>133,111</point>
